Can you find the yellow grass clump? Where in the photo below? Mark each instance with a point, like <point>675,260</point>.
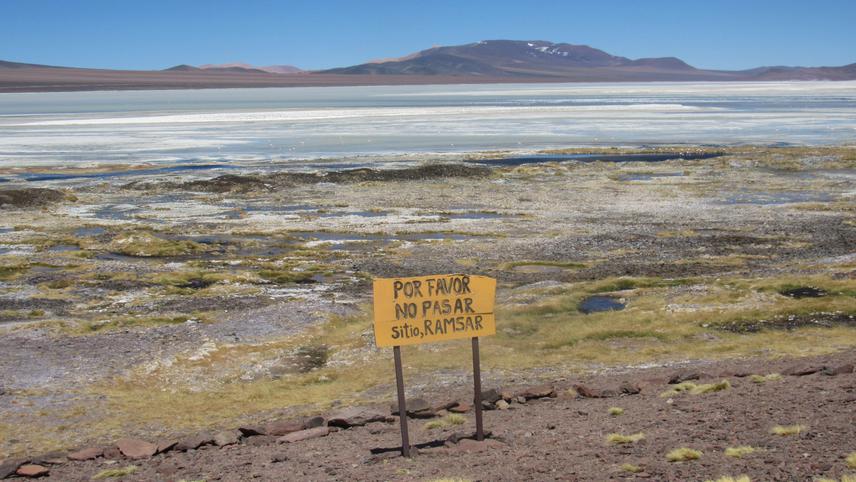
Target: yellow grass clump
<point>740,452</point>
<point>785,430</point>
<point>772,377</point>
<point>616,411</point>
<point>618,439</point>
<point>111,473</point>
<point>683,454</point>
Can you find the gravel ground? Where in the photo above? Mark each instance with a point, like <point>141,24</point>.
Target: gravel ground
<point>564,438</point>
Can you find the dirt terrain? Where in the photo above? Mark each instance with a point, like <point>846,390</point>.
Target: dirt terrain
<point>563,434</point>
<point>153,303</point>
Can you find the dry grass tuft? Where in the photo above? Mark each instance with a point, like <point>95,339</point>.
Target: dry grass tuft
<point>110,473</point>
<point>618,439</point>
<point>456,419</point>
<point>851,460</point>
<point>740,452</point>
<point>696,389</point>
<point>683,454</point>
<point>785,430</point>
<point>434,425</point>
<point>771,377</point>
<point>740,478</point>
<point>448,421</point>
<point>631,469</point>
<point>616,411</point>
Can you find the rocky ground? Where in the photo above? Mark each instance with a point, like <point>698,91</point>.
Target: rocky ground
<point>768,420</point>
<point>156,303</point>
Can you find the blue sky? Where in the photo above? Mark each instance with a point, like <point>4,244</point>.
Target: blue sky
<point>154,34</point>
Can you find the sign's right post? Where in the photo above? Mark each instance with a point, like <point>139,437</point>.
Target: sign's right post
<point>477,401</point>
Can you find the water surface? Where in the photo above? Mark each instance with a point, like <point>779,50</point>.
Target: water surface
<point>257,126</point>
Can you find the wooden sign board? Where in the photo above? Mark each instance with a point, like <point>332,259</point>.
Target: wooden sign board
<point>426,309</point>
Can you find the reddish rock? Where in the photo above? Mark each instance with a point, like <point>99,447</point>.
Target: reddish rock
<point>444,406</point>
<point>307,434</point>
<point>314,422</point>
<point>193,443</point>
<point>628,388</point>
<point>166,445</point>
<point>136,449</point>
<point>802,370</point>
<point>588,392</point>
<point>229,437</point>
<point>251,431</point>
<point>416,408</point>
<point>260,440</point>
<point>461,407</point>
<point>491,396</point>
<point>540,391</point>
<point>9,467</point>
<point>51,458</point>
<point>283,427</point>
<point>32,470</point>
<point>684,376</point>
<point>357,416</point>
<point>86,454</point>
<point>839,370</point>
<point>112,453</point>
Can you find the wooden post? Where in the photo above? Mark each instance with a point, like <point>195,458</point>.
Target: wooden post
<point>402,404</point>
<point>477,400</point>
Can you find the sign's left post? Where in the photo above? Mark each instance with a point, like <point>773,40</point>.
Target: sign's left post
<point>402,403</point>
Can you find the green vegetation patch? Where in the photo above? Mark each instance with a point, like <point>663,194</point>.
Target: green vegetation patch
<point>9,272</point>
<point>285,276</point>
<point>147,245</point>
<point>546,264</point>
<point>130,322</point>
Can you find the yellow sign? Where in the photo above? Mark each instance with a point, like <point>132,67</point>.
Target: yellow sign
<point>425,309</point>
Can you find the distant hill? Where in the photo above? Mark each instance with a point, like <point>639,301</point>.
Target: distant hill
<point>237,66</point>
<point>489,61</point>
<point>509,57</point>
<point>538,58</point>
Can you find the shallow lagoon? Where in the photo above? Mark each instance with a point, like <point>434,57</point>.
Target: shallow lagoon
<point>256,126</point>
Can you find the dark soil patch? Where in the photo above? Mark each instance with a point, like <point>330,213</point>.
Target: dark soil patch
<point>227,183</point>
<point>196,283</point>
<point>46,304</point>
<point>29,197</point>
<point>246,183</point>
<point>804,292</point>
<point>789,322</point>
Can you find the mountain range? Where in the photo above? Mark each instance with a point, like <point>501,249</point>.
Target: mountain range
<point>490,61</point>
